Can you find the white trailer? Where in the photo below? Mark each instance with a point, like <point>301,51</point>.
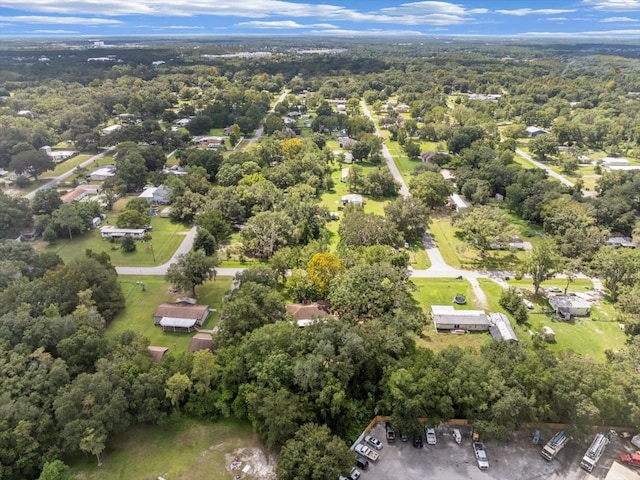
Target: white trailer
<point>553,446</point>
<point>594,452</point>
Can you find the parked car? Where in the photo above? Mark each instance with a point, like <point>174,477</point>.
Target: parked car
<point>355,474</point>
<point>481,455</point>
<point>404,437</point>
<point>373,441</point>
<point>417,441</point>
<point>391,433</point>
<point>362,462</point>
<point>554,289</point>
<point>431,436</point>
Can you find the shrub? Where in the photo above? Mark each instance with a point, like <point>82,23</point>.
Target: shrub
<point>512,303</point>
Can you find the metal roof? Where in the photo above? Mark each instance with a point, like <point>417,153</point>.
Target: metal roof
<point>177,322</point>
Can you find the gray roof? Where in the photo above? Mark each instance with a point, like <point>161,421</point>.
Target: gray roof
<point>177,322</point>
<point>447,314</point>
<point>500,327</point>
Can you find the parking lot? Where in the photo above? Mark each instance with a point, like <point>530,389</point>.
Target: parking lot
<point>517,459</point>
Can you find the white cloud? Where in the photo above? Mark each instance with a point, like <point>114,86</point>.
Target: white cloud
<point>283,24</point>
<point>619,20</point>
<point>600,33</point>
<point>54,32</point>
<point>339,32</point>
<point>557,19</point>
<point>180,27</point>
<point>46,20</point>
<point>521,12</point>
<point>614,5</point>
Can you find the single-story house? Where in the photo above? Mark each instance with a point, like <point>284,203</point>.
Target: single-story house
<point>306,315</point>
<point>620,241</point>
<point>102,173</point>
<point>570,305</point>
<point>109,231</point>
<point>458,202</point>
<point>201,341</point>
<point>614,164</point>
<point>184,315</point>
<point>354,198</point>
<point>500,328</point>
<point>80,193</point>
<point>208,141</point>
<point>25,113</point>
<point>159,195</point>
<point>535,131</point>
<point>157,353</point>
<point>345,174</point>
<point>59,155</point>
<point>346,142</point>
<point>111,129</point>
<point>174,170</point>
<point>183,122</point>
<point>445,317</point>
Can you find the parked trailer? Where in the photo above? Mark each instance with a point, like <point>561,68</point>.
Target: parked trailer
<point>553,446</point>
<point>594,452</point>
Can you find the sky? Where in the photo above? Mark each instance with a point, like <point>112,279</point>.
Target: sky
<point>98,19</point>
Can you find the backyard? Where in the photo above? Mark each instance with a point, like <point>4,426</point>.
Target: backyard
<point>140,305</point>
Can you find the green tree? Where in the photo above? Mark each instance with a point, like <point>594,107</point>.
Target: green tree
<point>617,266</point>
<point>190,270</point>
<point>128,244</point>
<point>15,214</point>
<point>45,201</point>
<point>314,453</point>
<point>410,217</point>
<point>543,146</point>
<point>53,470</point>
<point>205,241</point>
<point>132,219</point>
<point>513,303</point>
<point>176,388</point>
<point>541,263</point>
<point>265,233</point>
<point>31,162</point>
<point>431,188</point>
<point>485,228</point>
<point>69,218</point>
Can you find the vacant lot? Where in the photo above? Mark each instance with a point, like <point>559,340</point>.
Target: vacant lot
<point>140,305</point>
<point>518,459</point>
<point>182,450</point>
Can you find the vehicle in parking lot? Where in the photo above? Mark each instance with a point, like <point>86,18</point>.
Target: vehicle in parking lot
<point>404,437</point>
<point>457,436</point>
<point>355,474</point>
<point>431,435</point>
<point>367,452</point>
<point>417,441</point>
<point>373,441</point>
<point>391,433</point>
<point>362,462</point>
<point>554,289</point>
<point>481,455</point>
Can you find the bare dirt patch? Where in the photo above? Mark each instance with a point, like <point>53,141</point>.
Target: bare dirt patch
<point>251,464</point>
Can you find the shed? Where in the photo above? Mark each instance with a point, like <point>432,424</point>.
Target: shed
<point>548,334</point>
<point>157,353</point>
<point>445,317</point>
<point>201,341</point>
<point>500,328</point>
<point>570,305</point>
<point>458,202</point>
<point>535,131</point>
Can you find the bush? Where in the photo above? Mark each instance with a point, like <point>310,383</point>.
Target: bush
<point>128,243</point>
<point>512,303</point>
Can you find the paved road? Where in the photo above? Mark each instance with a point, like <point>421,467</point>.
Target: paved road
<point>551,173</point>
<point>66,175</point>
<point>260,130</point>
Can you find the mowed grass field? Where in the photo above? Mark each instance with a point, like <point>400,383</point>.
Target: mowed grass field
<point>166,236</point>
<point>183,449</point>
<point>140,305</point>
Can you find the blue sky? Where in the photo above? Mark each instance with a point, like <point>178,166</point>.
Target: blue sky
<point>530,18</point>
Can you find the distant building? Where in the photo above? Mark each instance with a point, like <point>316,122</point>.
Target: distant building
<point>80,193</point>
<point>208,141</point>
<point>306,315</point>
<point>345,174</point>
<point>445,317</point>
<point>102,173</point>
<point>616,242</point>
<point>535,131</point>
<point>353,198</point>
<point>612,164</point>
<point>458,202</point>
<point>59,155</point>
<point>111,129</point>
<point>183,122</point>
<point>160,195</point>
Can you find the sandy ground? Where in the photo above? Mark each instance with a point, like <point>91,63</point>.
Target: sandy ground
<point>251,464</point>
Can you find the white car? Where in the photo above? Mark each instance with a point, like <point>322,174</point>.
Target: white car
<point>481,456</point>
<point>355,474</point>
<point>431,436</point>
<point>528,304</point>
<point>374,442</point>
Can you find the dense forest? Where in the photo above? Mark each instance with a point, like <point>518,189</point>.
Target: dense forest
<point>67,386</point>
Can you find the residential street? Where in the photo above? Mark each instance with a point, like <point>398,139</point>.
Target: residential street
<point>66,175</point>
<point>542,166</point>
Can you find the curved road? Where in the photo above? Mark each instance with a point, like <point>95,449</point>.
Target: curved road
<point>66,175</point>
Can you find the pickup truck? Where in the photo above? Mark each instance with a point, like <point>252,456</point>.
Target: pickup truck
<point>481,456</point>
<point>367,452</point>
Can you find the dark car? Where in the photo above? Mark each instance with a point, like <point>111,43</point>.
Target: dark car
<point>417,441</point>
<point>391,434</point>
<point>404,437</point>
<point>362,462</point>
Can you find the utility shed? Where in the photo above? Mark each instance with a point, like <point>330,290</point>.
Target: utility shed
<point>570,305</point>
<point>157,353</point>
<point>201,341</point>
<point>500,328</point>
<point>445,317</point>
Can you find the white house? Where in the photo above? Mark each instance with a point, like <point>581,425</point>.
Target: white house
<point>616,242</point>
<point>613,164</point>
<point>59,155</point>
<point>159,195</point>
<point>445,317</point>
<point>570,305</point>
<point>109,231</point>
<point>102,173</point>
<point>183,122</point>
<point>354,198</point>
<point>111,129</point>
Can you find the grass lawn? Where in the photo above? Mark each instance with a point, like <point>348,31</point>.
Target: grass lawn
<point>524,163</point>
<point>579,285</point>
<point>440,291</point>
<point>166,236</point>
<point>67,165</point>
<point>139,308</point>
<point>183,449</point>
